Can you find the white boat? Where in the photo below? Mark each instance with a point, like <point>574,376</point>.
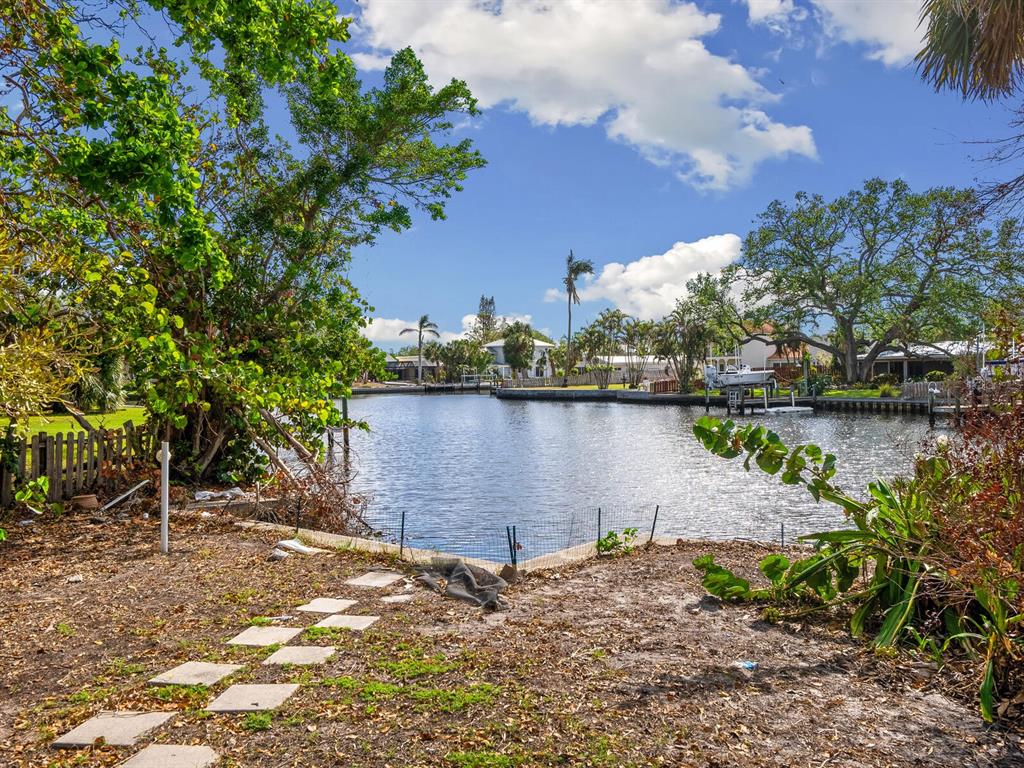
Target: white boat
<point>743,376</point>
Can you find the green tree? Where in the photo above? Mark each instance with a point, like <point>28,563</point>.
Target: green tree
<point>595,345</point>
<point>574,270</point>
<point>487,326</point>
<point>638,344</point>
<point>682,338</point>
<point>212,253</point>
<point>881,263</point>
<point>461,356</point>
<point>425,327</point>
<point>432,352</point>
<point>519,345</point>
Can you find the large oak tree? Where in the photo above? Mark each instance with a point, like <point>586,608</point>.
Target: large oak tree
<point>876,269</point>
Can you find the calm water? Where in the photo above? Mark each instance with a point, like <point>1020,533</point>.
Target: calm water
<point>465,466</point>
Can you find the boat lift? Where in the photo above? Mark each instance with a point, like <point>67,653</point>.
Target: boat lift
<point>736,382</point>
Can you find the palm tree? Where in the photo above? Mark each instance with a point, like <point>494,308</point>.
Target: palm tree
<point>574,270</point>
<point>423,328</point>
<point>973,46</point>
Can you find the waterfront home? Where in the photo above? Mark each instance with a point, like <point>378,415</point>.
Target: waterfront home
<point>756,354</point>
<point>540,366</point>
<point>919,359</point>
<point>404,367</point>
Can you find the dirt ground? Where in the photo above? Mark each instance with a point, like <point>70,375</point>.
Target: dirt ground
<point>617,662</point>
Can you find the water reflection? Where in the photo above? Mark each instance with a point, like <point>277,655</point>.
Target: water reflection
<point>465,466</point>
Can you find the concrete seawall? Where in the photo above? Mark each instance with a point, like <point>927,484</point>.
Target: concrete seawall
<point>619,395</point>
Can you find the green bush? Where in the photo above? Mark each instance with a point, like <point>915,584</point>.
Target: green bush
<point>934,560</point>
<point>886,378</point>
<point>888,390</point>
<point>936,376</point>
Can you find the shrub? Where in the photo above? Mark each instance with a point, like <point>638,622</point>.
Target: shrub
<point>888,390</point>
<point>881,379</point>
<point>936,376</point>
<point>935,560</point>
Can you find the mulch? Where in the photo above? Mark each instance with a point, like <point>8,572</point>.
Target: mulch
<point>616,662</point>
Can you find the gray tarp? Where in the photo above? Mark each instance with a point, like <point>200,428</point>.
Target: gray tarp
<point>465,582</point>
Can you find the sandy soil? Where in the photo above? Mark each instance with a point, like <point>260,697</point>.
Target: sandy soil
<point>619,662</point>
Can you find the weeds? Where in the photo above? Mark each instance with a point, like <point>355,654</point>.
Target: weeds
<point>258,721</point>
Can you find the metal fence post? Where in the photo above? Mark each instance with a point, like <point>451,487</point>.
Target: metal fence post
<point>654,522</point>
<point>598,523</point>
<point>401,537</point>
<point>165,482</point>
<point>782,535</point>
<point>511,549</point>
<point>515,548</point>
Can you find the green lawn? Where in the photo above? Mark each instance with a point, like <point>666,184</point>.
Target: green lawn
<point>54,423</point>
<point>851,392</point>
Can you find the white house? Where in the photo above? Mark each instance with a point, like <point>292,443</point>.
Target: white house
<point>541,365</point>
<point>756,354</point>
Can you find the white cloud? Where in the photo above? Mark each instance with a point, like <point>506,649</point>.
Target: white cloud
<point>777,15</point>
<point>638,69</point>
<point>889,29</point>
<point>648,287</point>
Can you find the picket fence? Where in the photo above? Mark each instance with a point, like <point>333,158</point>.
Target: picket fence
<point>73,462</point>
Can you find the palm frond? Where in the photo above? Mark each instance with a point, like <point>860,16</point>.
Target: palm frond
<point>973,46</point>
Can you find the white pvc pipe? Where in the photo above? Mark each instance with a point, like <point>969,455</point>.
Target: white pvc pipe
<point>165,472</point>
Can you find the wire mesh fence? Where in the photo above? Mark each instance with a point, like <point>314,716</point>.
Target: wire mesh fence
<point>530,543</point>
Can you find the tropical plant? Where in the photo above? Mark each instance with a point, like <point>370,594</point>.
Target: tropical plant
<point>597,343</point>
<point>425,327</point>
<point>574,270</point>
<point>912,565</point>
<point>638,344</point>
<point>519,345</point>
<point>682,339</point>
<point>973,46</point>
<point>881,263</point>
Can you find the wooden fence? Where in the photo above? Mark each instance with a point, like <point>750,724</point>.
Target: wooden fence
<point>551,381</point>
<point>918,390</point>
<point>73,462</point>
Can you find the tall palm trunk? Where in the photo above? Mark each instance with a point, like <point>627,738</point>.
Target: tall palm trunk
<point>419,359</point>
<point>568,347</point>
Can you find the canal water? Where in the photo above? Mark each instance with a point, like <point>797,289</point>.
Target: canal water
<point>465,468</point>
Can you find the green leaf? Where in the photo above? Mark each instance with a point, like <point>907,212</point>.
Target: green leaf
<point>774,567</point>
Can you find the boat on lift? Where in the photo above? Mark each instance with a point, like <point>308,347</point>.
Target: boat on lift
<point>733,377</point>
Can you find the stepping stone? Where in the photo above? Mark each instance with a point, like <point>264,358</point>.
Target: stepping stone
<point>195,673</point>
<point>252,698</point>
<point>171,756</point>
<point>120,729</point>
<point>263,636</point>
<point>375,579</point>
<point>347,621</point>
<point>301,654</point>
<point>326,605</point>
<point>397,598</point>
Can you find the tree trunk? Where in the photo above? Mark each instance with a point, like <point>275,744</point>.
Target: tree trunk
<point>851,368</point>
<point>419,359</point>
<point>568,347</point>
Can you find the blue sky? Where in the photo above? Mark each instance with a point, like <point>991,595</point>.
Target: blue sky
<point>646,135</point>
<point>833,78</point>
